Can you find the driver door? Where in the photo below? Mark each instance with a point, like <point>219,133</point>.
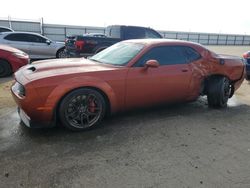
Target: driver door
<point>167,83</point>
<point>39,47</point>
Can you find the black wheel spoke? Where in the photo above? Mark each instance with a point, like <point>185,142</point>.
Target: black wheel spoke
<point>87,118</point>
<point>73,114</point>
<point>82,122</point>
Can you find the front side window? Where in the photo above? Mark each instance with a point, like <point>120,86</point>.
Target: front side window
<point>37,39</point>
<point>169,55</point>
<point>165,55</point>
<point>118,54</point>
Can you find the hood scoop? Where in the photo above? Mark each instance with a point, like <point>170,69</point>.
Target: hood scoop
<point>32,68</point>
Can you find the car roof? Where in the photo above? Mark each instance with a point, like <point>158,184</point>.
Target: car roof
<point>17,32</point>
<point>164,41</point>
<point>6,28</point>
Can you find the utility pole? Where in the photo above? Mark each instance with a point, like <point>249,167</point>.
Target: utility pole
<point>9,19</point>
<point>41,26</point>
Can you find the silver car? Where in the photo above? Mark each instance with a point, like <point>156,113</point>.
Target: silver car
<point>5,29</point>
<point>36,45</point>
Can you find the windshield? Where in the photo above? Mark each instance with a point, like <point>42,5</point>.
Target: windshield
<point>118,54</point>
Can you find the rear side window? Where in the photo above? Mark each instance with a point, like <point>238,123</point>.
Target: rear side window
<point>133,33</point>
<point>165,55</point>
<point>191,54</point>
<point>16,37</point>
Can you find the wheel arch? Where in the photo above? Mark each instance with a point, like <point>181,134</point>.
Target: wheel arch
<point>106,98</point>
<point>57,52</point>
<point>205,82</point>
<point>58,93</point>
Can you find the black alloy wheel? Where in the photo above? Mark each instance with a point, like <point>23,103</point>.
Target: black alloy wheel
<point>82,109</point>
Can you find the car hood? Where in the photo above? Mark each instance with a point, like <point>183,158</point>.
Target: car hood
<point>9,49</point>
<point>60,67</point>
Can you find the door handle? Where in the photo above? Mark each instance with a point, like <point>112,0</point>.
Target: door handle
<point>184,70</point>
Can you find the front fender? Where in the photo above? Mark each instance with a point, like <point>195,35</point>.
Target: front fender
<point>78,82</point>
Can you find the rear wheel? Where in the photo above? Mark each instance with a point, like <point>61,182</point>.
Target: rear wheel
<point>219,91</point>
<point>82,109</point>
<point>5,68</point>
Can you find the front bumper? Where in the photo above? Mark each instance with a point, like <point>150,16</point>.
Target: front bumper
<point>25,119</point>
<point>27,112</point>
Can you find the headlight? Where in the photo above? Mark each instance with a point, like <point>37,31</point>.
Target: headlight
<point>21,55</point>
<point>18,89</point>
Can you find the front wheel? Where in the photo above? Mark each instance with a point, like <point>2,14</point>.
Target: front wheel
<point>61,53</point>
<point>219,91</point>
<point>82,109</point>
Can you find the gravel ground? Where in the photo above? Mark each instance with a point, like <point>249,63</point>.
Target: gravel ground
<point>184,145</point>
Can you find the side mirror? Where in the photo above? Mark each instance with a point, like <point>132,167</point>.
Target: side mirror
<point>152,64</point>
<point>48,42</point>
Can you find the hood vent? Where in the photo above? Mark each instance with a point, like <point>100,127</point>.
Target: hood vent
<point>33,69</point>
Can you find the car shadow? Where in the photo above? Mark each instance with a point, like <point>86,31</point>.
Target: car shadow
<point>138,119</point>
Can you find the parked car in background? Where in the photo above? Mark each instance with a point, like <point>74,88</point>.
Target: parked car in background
<point>11,59</point>
<point>130,74</point>
<point>79,45</point>
<point>246,56</point>
<point>36,45</point>
<point>95,35</point>
<point>5,29</point>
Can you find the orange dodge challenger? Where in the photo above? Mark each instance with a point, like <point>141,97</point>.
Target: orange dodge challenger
<point>130,74</point>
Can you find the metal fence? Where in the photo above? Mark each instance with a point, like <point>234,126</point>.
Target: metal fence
<point>209,38</point>
<point>59,32</point>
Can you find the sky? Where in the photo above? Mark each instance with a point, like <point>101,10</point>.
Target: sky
<point>216,16</point>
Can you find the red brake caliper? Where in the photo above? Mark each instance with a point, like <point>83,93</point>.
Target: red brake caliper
<point>92,106</point>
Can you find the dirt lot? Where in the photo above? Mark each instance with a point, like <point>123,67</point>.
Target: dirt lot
<point>185,145</point>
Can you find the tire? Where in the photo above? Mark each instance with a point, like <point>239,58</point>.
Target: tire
<point>82,109</point>
<point>5,68</point>
<point>61,53</point>
<point>219,91</point>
